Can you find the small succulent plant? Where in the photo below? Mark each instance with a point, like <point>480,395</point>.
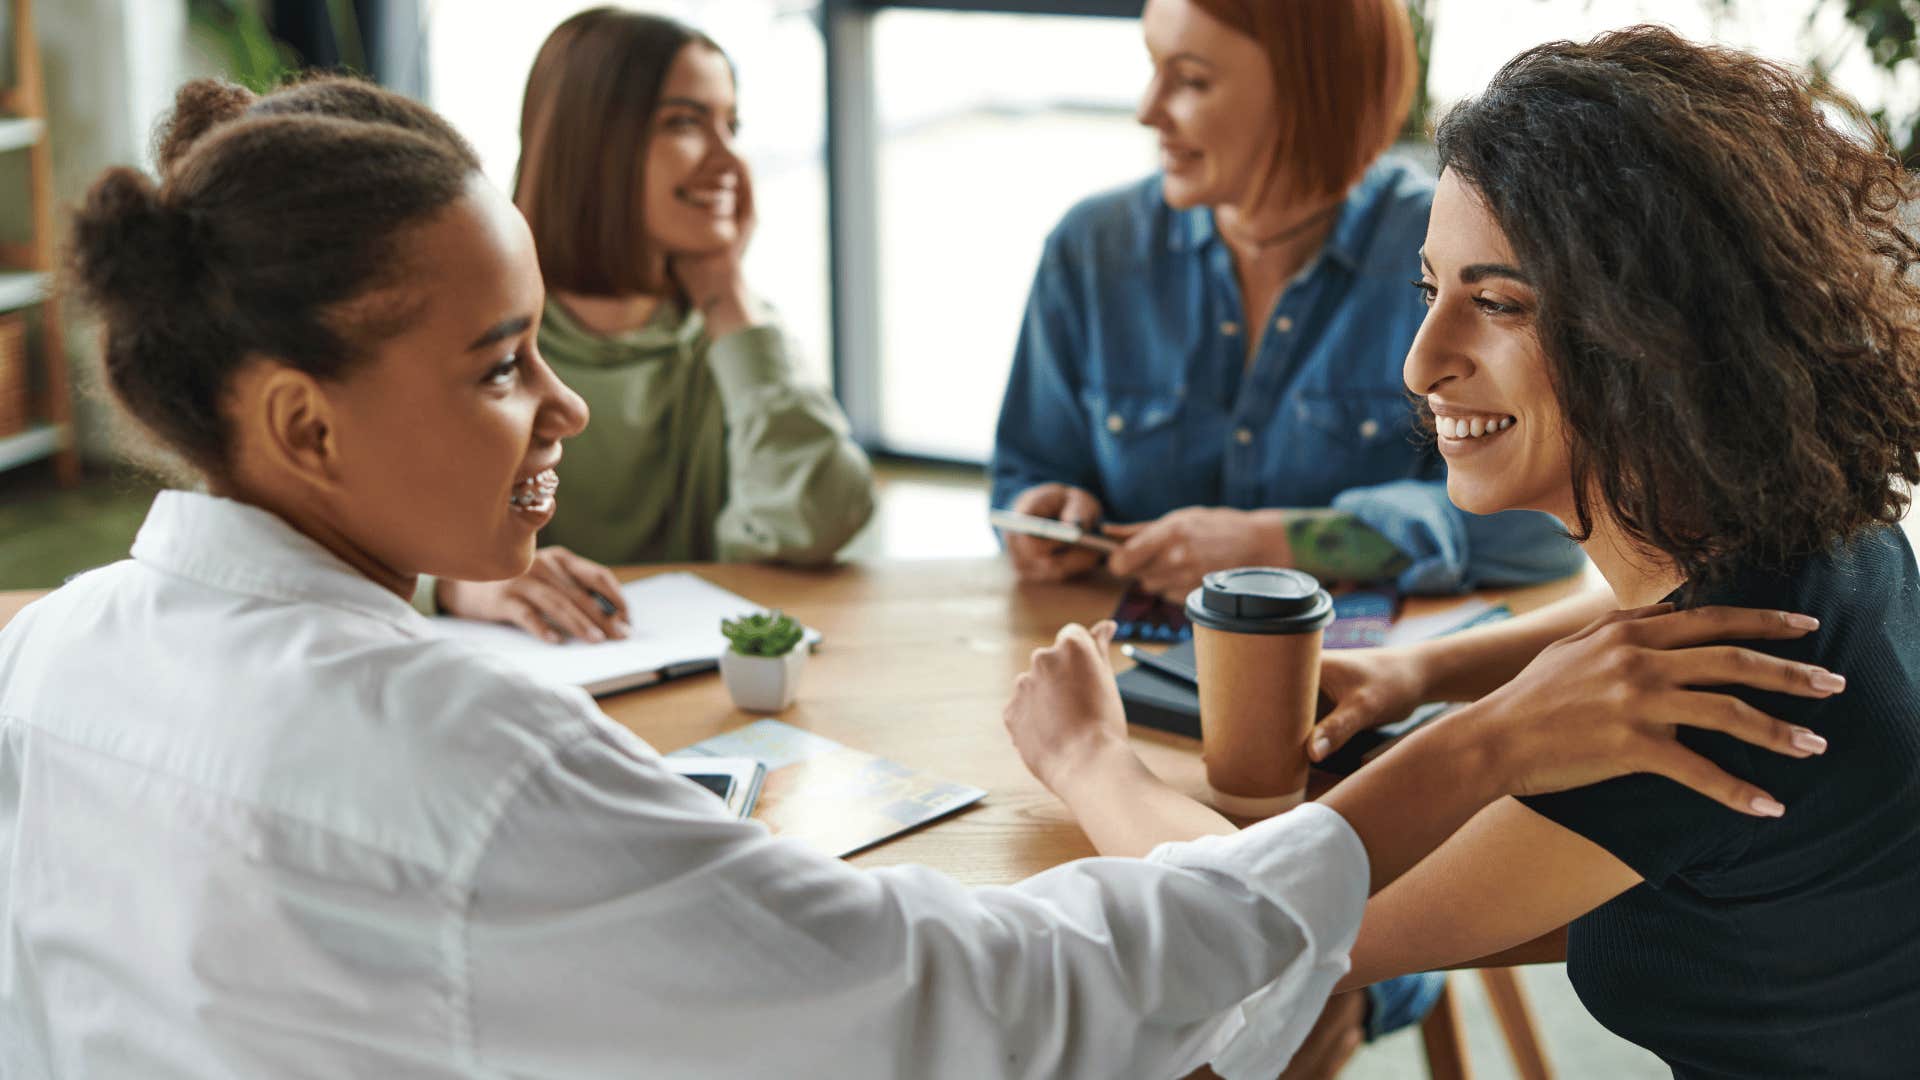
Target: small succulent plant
<point>772,634</point>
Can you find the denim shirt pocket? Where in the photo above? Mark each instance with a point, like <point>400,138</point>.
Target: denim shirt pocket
<point>1365,436</point>
<point>1135,438</point>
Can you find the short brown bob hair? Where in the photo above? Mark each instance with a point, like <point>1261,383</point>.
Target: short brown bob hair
<point>584,126</point>
<point>1343,77</point>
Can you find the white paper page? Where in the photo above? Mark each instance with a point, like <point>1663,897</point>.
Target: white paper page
<point>675,620</point>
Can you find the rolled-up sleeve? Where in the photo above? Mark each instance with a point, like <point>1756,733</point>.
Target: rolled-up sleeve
<point>1453,551</point>
<point>618,922</point>
<point>798,486</point>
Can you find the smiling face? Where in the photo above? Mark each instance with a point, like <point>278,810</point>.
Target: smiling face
<point>1211,101</point>
<point>1478,362</point>
<point>446,437</point>
<point>693,195</point>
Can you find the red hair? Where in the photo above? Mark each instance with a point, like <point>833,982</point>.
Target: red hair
<point>1343,77</point>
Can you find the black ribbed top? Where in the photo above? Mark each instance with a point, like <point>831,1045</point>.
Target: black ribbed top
<point>1789,947</point>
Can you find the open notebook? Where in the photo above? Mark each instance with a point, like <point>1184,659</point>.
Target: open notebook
<point>676,631</point>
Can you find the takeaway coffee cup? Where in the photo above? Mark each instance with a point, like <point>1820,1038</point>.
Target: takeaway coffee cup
<point>1256,641</point>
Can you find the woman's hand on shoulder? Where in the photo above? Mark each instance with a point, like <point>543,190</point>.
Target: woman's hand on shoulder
<point>1610,699</point>
<point>713,281</point>
<point>562,596</point>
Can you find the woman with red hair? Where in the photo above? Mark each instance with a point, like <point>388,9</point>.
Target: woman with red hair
<point>1212,354</point>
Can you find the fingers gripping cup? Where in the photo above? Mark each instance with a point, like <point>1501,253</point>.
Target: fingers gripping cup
<point>1256,641</point>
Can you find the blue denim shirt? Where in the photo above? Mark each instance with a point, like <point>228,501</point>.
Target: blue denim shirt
<point>1130,381</point>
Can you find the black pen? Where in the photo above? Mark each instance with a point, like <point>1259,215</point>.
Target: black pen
<point>606,605</point>
<point>1153,662</point>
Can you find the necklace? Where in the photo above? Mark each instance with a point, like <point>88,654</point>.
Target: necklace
<point>1291,231</point>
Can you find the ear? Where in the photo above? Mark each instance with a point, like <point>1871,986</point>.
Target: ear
<point>294,432</point>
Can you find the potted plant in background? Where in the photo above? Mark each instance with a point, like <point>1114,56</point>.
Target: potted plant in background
<point>762,664</point>
<point>258,59</point>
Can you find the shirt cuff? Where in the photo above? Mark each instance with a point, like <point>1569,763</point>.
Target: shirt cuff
<point>748,360</point>
<point>425,596</point>
<point>1311,864</point>
<point>1417,518</point>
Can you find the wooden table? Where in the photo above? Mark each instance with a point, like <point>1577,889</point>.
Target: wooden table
<point>918,659</point>
<point>917,662</point>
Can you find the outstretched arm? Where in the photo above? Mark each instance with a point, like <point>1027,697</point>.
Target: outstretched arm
<point>1507,878</point>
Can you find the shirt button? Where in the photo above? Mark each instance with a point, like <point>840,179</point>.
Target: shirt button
<point>1369,428</point>
<point>1116,424</point>
<point>1283,324</point>
<point>1243,437</point>
<point>1230,329</point>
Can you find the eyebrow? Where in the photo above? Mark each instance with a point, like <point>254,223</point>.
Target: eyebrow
<point>1191,58</point>
<point>501,331</point>
<point>1481,271</point>
<point>685,103</point>
<point>1477,272</point>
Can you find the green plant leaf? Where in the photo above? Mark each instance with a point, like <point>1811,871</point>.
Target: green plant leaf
<point>770,634</point>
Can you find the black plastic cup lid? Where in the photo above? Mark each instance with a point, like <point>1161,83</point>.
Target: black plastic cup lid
<point>1260,600</point>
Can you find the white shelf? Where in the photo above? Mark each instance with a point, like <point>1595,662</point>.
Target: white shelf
<point>38,441</point>
<point>21,288</point>
<point>17,133</point>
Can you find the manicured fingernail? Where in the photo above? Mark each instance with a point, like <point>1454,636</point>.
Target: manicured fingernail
<point>594,634</point>
<point>553,638</point>
<point>1766,807</point>
<point>1828,682</point>
<point>1321,745</point>
<point>1808,741</point>
<point>1803,622</point>
<point>622,628</point>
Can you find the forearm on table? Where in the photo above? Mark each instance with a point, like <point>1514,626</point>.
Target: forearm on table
<point>1472,664</point>
<point>1125,810</point>
<point>1334,545</point>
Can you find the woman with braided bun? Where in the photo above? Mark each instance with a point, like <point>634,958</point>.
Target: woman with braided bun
<point>259,819</point>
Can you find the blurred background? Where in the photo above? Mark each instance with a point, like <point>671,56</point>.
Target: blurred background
<point>909,159</point>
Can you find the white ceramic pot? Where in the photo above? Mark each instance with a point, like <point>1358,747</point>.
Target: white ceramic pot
<point>762,683</point>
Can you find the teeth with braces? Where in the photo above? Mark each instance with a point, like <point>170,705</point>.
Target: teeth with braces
<point>536,491</point>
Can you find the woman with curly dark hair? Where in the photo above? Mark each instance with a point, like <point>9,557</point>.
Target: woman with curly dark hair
<point>1670,304</point>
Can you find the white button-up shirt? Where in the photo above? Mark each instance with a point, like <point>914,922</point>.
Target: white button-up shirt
<point>257,819</point>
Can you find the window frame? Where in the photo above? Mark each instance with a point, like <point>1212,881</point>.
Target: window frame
<point>852,176</point>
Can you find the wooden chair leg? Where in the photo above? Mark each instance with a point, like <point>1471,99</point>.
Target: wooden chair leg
<point>1516,1020</point>
<point>1445,1042</point>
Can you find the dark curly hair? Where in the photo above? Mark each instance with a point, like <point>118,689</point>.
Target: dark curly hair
<point>1724,297</point>
<point>273,226</point>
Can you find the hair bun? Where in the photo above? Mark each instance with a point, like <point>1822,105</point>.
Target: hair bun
<point>198,108</point>
<point>129,248</point>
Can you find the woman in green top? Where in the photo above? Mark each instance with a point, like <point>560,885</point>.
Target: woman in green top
<point>703,445</point>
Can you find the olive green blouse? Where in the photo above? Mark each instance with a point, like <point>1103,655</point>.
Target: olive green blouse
<point>700,450</point>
